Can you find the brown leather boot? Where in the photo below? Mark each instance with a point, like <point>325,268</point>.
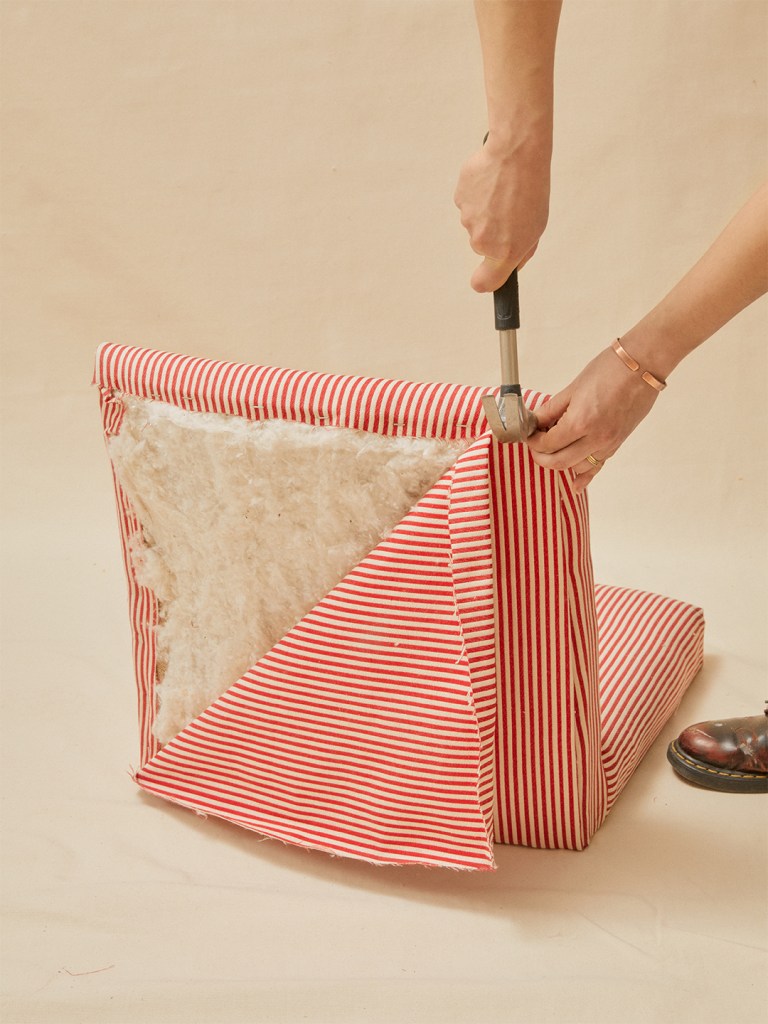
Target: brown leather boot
<point>731,755</point>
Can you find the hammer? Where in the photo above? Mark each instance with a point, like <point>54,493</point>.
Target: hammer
<point>509,418</point>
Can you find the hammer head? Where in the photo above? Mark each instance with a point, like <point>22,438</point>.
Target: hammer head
<point>509,418</point>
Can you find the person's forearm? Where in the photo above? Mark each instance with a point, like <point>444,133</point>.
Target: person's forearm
<point>587,422</point>
<point>518,43</point>
<point>731,274</point>
<point>503,188</point>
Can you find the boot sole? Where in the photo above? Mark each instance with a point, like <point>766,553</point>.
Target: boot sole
<point>722,779</point>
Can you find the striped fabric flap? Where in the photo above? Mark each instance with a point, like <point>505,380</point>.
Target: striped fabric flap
<point>390,407</point>
<point>550,785</point>
<point>142,603</point>
<point>367,731</point>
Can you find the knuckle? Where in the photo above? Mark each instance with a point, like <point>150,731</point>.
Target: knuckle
<point>482,237</point>
<point>603,438</point>
<point>545,461</point>
<point>548,446</point>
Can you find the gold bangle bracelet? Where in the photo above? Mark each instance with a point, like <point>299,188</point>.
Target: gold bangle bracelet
<point>634,366</point>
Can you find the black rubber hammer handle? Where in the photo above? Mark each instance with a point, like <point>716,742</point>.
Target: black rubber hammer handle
<point>506,305</point>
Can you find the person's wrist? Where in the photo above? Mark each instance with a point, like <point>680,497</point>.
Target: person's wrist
<point>513,136</point>
<point>652,349</point>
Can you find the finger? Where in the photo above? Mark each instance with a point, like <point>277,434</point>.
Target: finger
<point>550,412</point>
<point>586,471</point>
<point>558,438</point>
<point>582,480</point>
<point>563,458</point>
<point>593,461</point>
<point>491,274</point>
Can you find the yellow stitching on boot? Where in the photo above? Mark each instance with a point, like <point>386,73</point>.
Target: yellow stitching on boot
<point>714,771</point>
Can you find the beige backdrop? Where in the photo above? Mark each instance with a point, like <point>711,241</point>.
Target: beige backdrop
<point>272,182</point>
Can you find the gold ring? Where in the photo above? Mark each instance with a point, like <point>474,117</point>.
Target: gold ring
<point>595,461</point>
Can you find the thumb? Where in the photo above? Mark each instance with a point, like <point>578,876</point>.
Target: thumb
<point>549,413</point>
<point>491,274</point>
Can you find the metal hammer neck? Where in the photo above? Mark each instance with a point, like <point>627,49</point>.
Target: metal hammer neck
<point>508,347</point>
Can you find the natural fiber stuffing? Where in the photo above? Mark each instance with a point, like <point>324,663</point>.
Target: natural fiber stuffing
<point>245,526</point>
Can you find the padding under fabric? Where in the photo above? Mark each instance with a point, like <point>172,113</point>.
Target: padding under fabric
<point>245,526</point>
<point>389,408</point>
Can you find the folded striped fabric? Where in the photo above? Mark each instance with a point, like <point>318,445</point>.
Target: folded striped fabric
<point>362,625</point>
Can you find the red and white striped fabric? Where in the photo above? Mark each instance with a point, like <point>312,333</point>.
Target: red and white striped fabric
<point>464,684</point>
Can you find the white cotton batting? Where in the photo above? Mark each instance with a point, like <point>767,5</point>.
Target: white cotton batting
<point>246,526</point>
